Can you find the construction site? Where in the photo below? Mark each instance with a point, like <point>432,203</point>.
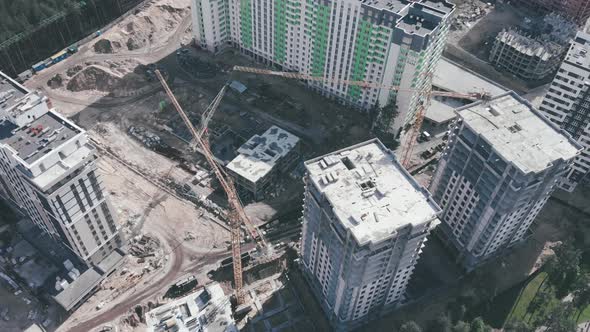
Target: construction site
<point>203,156</point>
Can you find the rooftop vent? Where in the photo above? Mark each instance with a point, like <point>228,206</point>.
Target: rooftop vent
<point>348,163</point>
<point>493,111</point>
<point>515,128</point>
<point>367,185</point>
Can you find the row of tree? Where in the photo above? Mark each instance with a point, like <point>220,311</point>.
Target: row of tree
<point>565,277</point>
<point>19,16</point>
<point>445,324</point>
<point>38,38</point>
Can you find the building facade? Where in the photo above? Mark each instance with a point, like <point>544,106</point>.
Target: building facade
<point>48,172</point>
<point>567,104</point>
<point>502,162</point>
<point>391,42</point>
<point>365,221</point>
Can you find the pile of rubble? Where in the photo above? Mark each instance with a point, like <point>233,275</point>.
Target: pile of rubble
<point>468,12</point>
<point>136,316</point>
<point>144,246</point>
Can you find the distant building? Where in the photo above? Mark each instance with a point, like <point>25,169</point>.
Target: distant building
<point>208,310</point>
<point>390,42</point>
<point>502,163</point>
<point>365,221</point>
<point>567,104</point>
<point>535,52</point>
<point>262,157</point>
<point>48,172</point>
<point>577,10</point>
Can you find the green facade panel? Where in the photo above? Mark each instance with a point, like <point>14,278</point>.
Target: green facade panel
<point>246,23</point>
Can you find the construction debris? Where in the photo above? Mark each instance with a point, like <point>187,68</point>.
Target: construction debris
<point>144,246</point>
<point>145,136</point>
<point>469,12</point>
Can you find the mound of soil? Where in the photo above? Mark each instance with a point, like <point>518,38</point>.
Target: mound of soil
<point>55,82</point>
<point>149,26</point>
<point>73,70</point>
<point>94,78</point>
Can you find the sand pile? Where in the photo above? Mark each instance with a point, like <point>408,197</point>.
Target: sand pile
<point>94,77</point>
<point>150,26</point>
<point>116,77</point>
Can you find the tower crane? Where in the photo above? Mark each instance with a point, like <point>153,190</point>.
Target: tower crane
<point>236,214</point>
<point>409,142</point>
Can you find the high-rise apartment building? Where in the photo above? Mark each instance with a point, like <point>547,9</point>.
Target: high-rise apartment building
<point>392,42</point>
<point>365,221</point>
<point>567,104</point>
<point>502,162</point>
<point>48,171</point>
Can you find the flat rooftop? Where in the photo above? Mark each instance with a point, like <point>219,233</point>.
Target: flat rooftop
<point>260,153</point>
<point>33,141</point>
<point>578,52</point>
<point>391,5</point>
<point>396,6</point>
<point>441,112</point>
<point>208,310</point>
<point>10,91</point>
<point>447,72</point>
<point>80,287</point>
<point>371,194</point>
<point>518,132</point>
<point>442,6</point>
<point>416,25</point>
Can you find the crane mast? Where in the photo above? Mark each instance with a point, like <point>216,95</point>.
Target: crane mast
<point>236,215</point>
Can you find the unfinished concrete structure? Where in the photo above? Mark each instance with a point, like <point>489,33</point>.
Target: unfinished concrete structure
<point>577,10</point>
<point>208,310</point>
<point>567,104</point>
<point>365,221</point>
<point>502,162</point>
<point>48,172</point>
<point>261,158</point>
<point>535,51</point>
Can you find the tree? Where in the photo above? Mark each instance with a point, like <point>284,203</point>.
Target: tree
<point>442,323</point>
<point>478,325</point>
<point>410,326</point>
<point>560,319</point>
<point>563,269</point>
<point>581,294</point>
<point>540,302</point>
<point>461,326</point>
<point>518,326</point>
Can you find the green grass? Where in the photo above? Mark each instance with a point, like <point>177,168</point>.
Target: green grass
<point>585,316</point>
<point>519,309</point>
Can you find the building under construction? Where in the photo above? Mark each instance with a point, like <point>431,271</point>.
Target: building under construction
<point>261,158</point>
<point>577,10</point>
<point>533,51</point>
